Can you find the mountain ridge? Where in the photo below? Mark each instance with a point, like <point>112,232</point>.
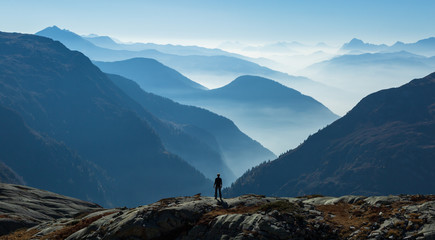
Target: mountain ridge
<point>108,42</point>
<point>228,139</point>
<point>362,74</point>
<point>208,70</point>
<point>152,76</point>
<point>60,93</point>
<point>382,146</point>
<point>26,154</point>
<point>225,104</point>
<point>266,110</point>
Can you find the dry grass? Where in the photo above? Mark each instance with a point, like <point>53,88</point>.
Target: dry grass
<point>394,234</point>
<point>165,202</point>
<point>252,196</point>
<point>359,216</point>
<point>416,221</point>
<point>311,196</point>
<point>343,217</point>
<point>421,198</point>
<point>281,206</point>
<point>348,218</point>
<point>21,234</point>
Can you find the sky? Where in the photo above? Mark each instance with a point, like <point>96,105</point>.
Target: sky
<point>209,23</point>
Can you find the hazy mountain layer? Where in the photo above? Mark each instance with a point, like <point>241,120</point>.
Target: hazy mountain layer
<point>266,110</point>
<point>209,70</point>
<point>357,45</point>
<point>107,42</point>
<point>338,87</point>
<point>152,76</point>
<point>216,132</point>
<point>425,47</point>
<point>60,93</point>
<point>366,73</point>
<point>385,145</point>
<point>190,143</point>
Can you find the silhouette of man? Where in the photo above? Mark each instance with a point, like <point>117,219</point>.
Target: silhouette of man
<point>217,185</point>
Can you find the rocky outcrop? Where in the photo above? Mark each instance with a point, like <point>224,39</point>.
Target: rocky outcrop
<point>251,217</point>
<point>23,207</point>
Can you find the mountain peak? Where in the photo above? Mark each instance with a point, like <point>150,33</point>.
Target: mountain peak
<point>55,32</point>
<point>251,79</point>
<point>263,92</point>
<point>254,86</point>
<point>398,43</point>
<point>356,41</point>
<point>358,44</point>
<point>427,41</point>
<point>53,29</point>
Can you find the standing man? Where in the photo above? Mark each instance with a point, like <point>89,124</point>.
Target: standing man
<point>217,185</point>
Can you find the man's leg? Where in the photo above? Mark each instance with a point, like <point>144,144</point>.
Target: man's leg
<point>215,192</point>
<point>220,193</point>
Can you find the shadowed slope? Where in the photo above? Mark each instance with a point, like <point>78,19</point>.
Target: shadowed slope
<point>44,163</point>
<point>385,145</point>
<point>60,93</point>
<point>216,131</point>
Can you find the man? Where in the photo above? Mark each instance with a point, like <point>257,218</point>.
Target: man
<point>217,185</point>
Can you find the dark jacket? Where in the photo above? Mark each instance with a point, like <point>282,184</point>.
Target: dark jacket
<point>218,182</point>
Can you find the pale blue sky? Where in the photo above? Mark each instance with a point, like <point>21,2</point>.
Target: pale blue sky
<point>250,21</point>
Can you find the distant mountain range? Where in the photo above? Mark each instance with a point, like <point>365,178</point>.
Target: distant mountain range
<point>356,72</point>
<point>357,45</point>
<point>384,145</point>
<point>285,48</point>
<point>211,69</point>
<point>105,49</point>
<point>425,47</point>
<point>60,94</point>
<point>362,74</point>
<point>361,68</point>
<point>107,42</point>
<point>262,108</point>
